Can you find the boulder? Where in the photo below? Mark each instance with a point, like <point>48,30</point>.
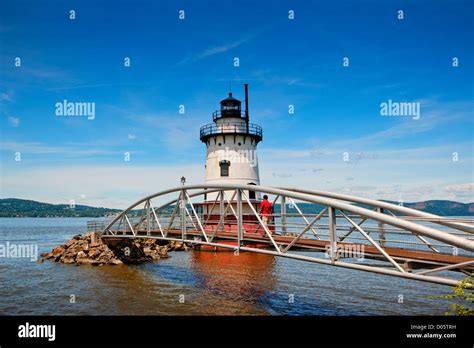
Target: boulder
<point>86,261</point>
<point>163,252</point>
<point>47,255</point>
<point>93,253</point>
<point>70,242</point>
<point>67,260</point>
<point>105,257</point>
<point>77,248</point>
<point>58,250</point>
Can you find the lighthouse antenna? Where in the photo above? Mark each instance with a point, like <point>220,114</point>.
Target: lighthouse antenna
<point>246,88</point>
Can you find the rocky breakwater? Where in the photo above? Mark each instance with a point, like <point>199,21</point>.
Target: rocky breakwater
<point>93,250</point>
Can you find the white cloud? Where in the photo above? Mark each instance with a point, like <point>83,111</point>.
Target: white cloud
<point>14,121</point>
<point>411,174</point>
<point>461,191</point>
<point>107,186</point>
<point>6,96</point>
<point>211,51</point>
<point>176,131</point>
<point>433,114</point>
<point>41,148</point>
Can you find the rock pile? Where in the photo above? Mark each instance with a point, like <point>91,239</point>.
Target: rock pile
<point>92,250</point>
<point>83,250</point>
<point>177,246</point>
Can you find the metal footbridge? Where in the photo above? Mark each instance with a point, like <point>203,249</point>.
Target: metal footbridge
<point>336,229</point>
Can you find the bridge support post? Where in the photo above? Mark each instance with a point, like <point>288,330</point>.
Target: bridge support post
<point>332,234</point>
<point>283,214</point>
<point>148,217</point>
<point>221,211</point>
<point>239,218</point>
<point>381,229</point>
<point>183,214</point>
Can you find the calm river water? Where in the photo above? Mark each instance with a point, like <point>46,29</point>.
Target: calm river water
<point>212,283</point>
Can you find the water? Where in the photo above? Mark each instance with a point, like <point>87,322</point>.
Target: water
<point>212,283</point>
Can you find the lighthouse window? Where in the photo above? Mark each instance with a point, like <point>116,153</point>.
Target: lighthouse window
<point>224,168</point>
<point>240,144</point>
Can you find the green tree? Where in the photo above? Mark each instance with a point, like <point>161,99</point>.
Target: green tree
<point>463,296</point>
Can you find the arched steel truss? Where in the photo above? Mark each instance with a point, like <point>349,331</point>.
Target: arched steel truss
<point>409,243</point>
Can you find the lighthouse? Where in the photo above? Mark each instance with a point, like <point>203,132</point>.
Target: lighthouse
<point>231,159</point>
<point>231,146</point>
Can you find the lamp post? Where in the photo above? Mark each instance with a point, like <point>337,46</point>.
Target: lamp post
<point>183,209</point>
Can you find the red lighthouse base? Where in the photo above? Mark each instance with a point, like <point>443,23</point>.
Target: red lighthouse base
<point>250,225</point>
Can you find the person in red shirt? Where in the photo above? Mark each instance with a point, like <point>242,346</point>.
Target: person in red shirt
<point>266,210</point>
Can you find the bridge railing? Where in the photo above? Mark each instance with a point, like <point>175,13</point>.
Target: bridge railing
<point>401,245</point>
<point>98,225</point>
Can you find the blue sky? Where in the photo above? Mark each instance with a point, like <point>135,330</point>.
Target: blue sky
<point>190,62</point>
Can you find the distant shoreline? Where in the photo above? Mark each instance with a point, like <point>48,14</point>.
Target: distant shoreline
<point>52,217</point>
<point>22,208</point>
<point>15,207</point>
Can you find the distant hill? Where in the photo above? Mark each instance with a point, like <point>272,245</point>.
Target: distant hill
<point>443,208</point>
<point>13,207</point>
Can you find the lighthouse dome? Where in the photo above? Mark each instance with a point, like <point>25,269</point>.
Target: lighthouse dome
<point>230,103</point>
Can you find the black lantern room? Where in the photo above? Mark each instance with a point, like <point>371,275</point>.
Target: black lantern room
<point>231,119</point>
<point>230,107</point>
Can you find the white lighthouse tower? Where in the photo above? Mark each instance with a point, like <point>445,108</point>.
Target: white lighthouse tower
<point>231,143</point>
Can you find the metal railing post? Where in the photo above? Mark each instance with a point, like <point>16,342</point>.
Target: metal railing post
<point>283,214</point>
<point>221,211</point>
<point>183,214</point>
<point>381,229</point>
<point>332,233</point>
<point>239,218</point>
<point>148,218</point>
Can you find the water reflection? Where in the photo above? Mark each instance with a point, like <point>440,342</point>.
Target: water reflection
<point>248,277</point>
